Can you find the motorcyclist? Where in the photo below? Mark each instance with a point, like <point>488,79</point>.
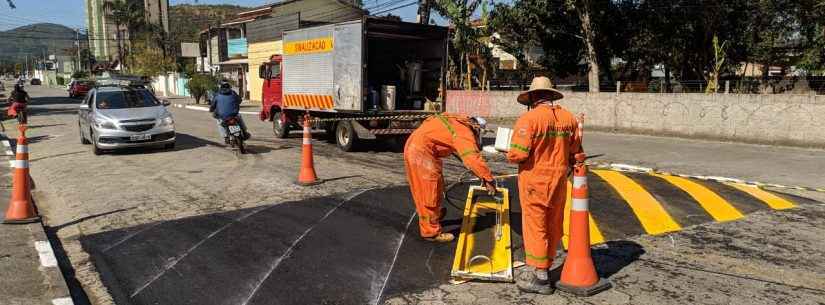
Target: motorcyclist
<point>226,104</point>
<point>18,99</point>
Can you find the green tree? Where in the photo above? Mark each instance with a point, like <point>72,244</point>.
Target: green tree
<point>147,59</point>
<point>546,24</point>
<point>127,17</point>
<point>588,30</point>
<point>201,84</point>
<point>466,38</point>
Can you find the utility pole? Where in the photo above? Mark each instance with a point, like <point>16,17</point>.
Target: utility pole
<point>424,11</point>
<point>77,43</point>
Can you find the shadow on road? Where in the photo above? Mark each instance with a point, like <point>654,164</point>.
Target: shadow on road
<point>613,256</point>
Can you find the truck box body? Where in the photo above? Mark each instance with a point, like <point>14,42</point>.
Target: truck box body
<point>343,67</point>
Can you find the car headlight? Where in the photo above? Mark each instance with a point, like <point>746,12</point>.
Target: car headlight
<point>104,124</point>
<point>167,120</point>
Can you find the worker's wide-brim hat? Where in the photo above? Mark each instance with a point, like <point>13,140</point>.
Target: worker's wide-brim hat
<point>540,83</point>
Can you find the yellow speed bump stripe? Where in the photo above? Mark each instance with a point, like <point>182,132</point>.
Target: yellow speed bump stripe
<point>773,201</point>
<point>596,236</point>
<point>718,208</point>
<point>648,210</point>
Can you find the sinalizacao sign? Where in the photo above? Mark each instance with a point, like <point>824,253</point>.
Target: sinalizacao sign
<point>317,45</point>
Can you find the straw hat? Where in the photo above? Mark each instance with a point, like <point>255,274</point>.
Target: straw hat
<point>539,83</point>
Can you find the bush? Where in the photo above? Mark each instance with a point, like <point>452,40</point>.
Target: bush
<point>60,80</point>
<point>201,84</point>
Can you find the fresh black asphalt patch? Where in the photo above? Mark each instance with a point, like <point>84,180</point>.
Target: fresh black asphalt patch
<point>359,248</point>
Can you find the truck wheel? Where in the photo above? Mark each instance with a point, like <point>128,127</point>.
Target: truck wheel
<point>345,136</point>
<point>279,127</point>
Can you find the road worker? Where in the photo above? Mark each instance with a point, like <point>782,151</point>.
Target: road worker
<point>440,136</point>
<point>543,143</point>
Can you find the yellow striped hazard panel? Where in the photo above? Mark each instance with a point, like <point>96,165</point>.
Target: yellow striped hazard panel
<point>308,101</point>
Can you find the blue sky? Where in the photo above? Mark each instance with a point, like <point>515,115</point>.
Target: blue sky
<point>71,12</point>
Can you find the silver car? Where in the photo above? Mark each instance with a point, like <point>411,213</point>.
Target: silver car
<point>113,117</point>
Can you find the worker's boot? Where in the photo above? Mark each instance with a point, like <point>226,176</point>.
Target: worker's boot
<point>535,281</point>
<point>441,238</point>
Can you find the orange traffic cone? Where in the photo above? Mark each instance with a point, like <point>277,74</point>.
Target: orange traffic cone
<point>307,175</point>
<point>578,276</point>
<point>21,208</point>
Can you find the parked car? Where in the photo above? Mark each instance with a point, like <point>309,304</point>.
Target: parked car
<point>35,82</point>
<point>80,87</point>
<point>114,117</point>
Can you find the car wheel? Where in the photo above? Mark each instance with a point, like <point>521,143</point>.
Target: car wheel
<point>83,139</point>
<point>345,136</point>
<point>95,150</point>
<point>279,126</point>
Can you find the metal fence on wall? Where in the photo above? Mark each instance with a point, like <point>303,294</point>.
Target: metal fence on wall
<point>796,85</point>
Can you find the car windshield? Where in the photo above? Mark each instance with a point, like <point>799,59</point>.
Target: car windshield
<point>85,83</point>
<point>126,99</point>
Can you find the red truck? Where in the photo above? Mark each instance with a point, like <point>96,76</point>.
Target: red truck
<point>363,79</point>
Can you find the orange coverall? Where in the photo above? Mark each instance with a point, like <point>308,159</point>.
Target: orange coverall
<point>436,138</point>
<point>544,139</point>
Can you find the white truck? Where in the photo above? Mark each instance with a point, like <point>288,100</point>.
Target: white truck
<point>363,79</point>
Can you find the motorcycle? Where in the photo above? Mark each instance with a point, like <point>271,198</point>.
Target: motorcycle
<point>18,110</point>
<point>236,134</point>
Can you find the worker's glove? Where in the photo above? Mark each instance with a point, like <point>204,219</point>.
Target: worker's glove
<point>491,188</point>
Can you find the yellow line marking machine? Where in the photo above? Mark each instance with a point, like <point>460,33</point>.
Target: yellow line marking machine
<point>484,249</point>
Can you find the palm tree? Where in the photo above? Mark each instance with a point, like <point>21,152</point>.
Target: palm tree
<point>467,39</point>
<point>127,17</point>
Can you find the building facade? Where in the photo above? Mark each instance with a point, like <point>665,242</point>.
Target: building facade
<point>105,39</point>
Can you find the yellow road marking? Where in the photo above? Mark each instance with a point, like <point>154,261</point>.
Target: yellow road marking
<point>650,212</point>
<point>718,208</point>
<point>773,201</point>
<point>596,236</point>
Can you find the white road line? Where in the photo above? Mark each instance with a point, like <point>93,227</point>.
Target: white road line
<point>62,301</point>
<point>394,258</point>
<point>44,250</point>
<point>289,250</point>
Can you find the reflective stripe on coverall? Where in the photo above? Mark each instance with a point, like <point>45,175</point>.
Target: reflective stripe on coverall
<point>544,139</point>
<point>438,136</point>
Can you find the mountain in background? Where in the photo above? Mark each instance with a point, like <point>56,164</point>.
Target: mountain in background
<point>186,20</point>
<point>36,40</point>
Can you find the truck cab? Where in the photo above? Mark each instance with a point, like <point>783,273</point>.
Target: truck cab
<point>272,99</point>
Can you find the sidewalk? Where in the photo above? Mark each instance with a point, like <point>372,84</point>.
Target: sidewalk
<point>29,268</point>
<point>247,107</point>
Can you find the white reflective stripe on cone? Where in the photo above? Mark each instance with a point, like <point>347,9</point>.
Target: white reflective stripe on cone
<point>580,204</point>
<point>579,181</point>
<point>307,141</point>
<point>21,164</point>
<point>22,149</point>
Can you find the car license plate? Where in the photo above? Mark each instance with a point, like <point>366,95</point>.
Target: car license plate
<point>141,137</point>
<point>234,129</point>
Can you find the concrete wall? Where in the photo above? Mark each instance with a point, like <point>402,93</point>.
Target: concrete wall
<point>797,120</point>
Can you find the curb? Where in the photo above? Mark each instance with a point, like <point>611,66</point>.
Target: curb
<point>58,289</point>
<point>204,108</point>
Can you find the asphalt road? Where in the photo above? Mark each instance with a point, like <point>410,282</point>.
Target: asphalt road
<point>179,197</point>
